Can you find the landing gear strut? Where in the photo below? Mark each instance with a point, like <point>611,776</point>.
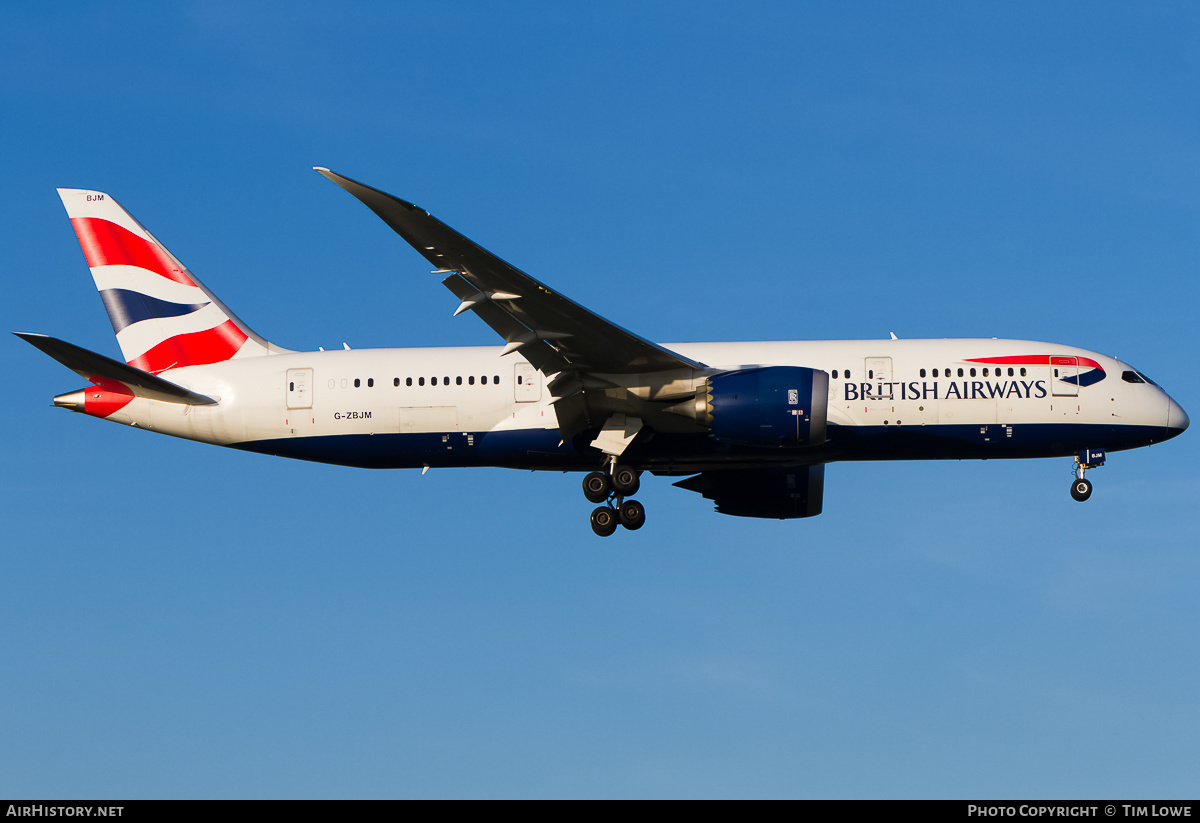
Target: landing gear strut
<point>1081,489</point>
<point>611,488</point>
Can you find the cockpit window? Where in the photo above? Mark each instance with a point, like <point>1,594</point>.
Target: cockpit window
<point>1136,377</point>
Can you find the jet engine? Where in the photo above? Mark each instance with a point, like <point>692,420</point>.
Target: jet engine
<point>765,406</point>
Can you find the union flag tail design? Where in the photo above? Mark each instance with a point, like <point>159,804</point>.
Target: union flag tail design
<point>164,318</point>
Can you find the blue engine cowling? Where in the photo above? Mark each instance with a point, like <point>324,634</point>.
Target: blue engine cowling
<point>768,406</point>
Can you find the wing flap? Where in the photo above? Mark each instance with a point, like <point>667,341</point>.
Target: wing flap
<point>491,310</point>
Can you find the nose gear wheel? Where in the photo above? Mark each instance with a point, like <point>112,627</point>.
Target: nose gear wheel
<point>1081,489</point>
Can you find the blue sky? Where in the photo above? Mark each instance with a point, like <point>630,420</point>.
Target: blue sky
<point>186,621</point>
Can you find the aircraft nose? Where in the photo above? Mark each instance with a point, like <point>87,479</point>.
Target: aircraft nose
<point>1177,419</point>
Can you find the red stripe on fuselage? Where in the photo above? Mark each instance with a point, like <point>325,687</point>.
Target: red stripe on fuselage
<point>196,349</point>
<point>1036,360</point>
<point>105,243</point>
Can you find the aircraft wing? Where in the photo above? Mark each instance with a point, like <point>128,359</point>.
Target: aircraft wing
<point>773,492</point>
<point>553,333</point>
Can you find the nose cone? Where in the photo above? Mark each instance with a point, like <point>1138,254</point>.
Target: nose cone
<point>1177,419</point>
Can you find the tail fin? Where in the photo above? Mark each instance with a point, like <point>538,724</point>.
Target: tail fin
<point>164,318</point>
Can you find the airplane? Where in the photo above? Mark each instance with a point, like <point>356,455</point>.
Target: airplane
<point>748,425</point>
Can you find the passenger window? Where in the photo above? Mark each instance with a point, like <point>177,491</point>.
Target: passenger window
<point>458,381</point>
<point>395,381</point>
<point>1010,374</point>
<point>922,372</point>
<point>1023,371</point>
<point>471,380</point>
<point>496,379</point>
<point>370,382</point>
<point>420,381</point>
<point>357,383</point>
<point>960,374</point>
<point>292,386</point>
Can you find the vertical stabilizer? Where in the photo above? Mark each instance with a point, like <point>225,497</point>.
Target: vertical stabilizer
<point>164,318</point>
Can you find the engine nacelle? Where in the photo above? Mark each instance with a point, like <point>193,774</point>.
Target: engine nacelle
<point>767,406</point>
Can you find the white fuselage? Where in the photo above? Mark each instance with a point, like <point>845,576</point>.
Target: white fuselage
<point>887,399</point>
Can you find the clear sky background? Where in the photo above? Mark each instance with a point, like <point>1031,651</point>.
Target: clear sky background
<point>180,620</point>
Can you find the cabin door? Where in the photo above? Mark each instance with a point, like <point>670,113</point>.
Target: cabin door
<point>1064,376</point>
<point>299,388</point>
<point>298,392</point>
<point>527,384</point>
<point>879,376</point>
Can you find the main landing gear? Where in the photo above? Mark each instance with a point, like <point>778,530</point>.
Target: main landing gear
<point>1081,489</point>
<point>611,488</point>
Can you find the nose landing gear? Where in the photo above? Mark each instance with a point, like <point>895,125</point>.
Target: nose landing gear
<point>611,488</point>
<point>1081,489</point>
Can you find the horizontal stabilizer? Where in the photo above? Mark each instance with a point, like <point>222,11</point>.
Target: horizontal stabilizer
<point>98,368</point>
